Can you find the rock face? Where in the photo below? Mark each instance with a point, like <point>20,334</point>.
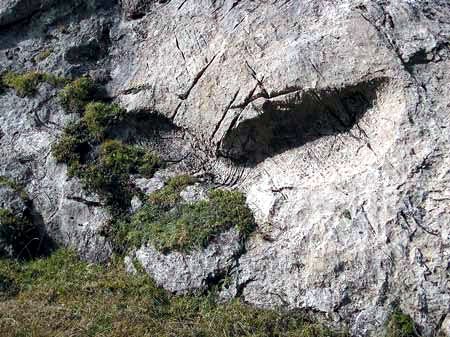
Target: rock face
<point>332,116</point>
<point>12,11</point>
<point>192,272</point>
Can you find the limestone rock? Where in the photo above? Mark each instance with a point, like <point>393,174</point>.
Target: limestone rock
<point>332,116</point>
<point>194,193</point>
<point>12,11</point>
<point>194,271</point>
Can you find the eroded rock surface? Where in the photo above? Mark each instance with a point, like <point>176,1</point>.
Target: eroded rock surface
<point>194,271</point>
<point>332,116</point>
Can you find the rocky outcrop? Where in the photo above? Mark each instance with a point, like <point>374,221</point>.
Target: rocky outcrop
<point>192,272</point>
<point>12,11</point>
<point>332,116</point>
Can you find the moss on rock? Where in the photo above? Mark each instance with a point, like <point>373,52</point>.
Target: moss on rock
<point>169,224</point>
<point>26,84</point>
<point>77,94</point>
<point>401,325</point>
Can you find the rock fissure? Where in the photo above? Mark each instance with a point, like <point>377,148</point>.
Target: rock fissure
<point>197,78</point>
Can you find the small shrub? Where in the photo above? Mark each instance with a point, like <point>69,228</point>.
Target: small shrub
<point>401,325</point>
<point>24,84</point>
<point>77,94</point>
<point>100,118</point>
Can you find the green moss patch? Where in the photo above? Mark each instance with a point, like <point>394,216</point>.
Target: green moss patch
<point>78,93</point>
<point>101,118</point>
<point>169,195</point>
<point>62,296</point>
<point>401,325</point>
<point>26,84</point>
<point>169,224</point>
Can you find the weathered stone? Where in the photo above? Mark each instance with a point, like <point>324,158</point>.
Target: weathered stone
<point>332,116</point>
<point>194,193</point>
<point>12,11</point>
<point>195,271</point>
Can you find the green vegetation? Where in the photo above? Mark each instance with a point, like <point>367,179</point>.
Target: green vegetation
<point>7,182</point>
<point>401,325</point>
<point>109,174</point>
<point>72,146</point>
<point>104,168</point>
<point>102,164</point>
<point>56,81</point>
<point>170,225</point>
<point>120,159</point>
<point>17,235</point>
<point>61,296</point>
<point>43,55</point>
<point>77,94</point>
<point>169,195</point>
<point>100,118</point>
<point>26,84</point>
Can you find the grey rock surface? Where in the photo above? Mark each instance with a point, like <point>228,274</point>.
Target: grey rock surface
<point>29,127</point>
<point>12,11</point>
<point>191,272</point>
<point>194,193</point>
<point>333,117</point>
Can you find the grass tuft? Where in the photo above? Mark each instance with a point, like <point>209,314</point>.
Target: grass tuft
<point>12,184</point>
<point>19,237</point>
<point>169,195</point>
<point>109,174</point>
<point>104,168</point>
<point>44,54</point>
